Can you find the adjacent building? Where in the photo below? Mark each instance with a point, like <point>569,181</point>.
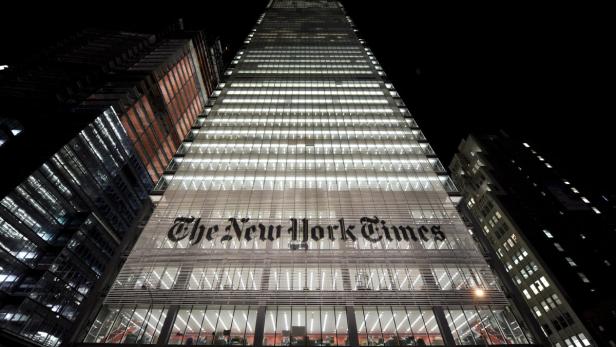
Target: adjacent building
<point>553,241</point>
<point>305,208</point>
<point>86,130</point>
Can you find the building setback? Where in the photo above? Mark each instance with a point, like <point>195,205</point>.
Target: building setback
<point>86,130</point>
<point>306,208</point>
<point>553,243</point>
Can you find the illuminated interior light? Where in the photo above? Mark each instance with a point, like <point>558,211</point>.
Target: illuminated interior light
<point>233,322</point>
<point>416,280</point>
<point>288,281</point>
<point>363,322</point>
<point>322,280</point>
<point>478,292</point>
<point>209,322</point>
<point>286,321</point>
<point>221,321</point>
<point>388,323</point>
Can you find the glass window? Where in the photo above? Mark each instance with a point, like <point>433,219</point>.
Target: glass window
<point>231,325</point>
<point>394,326</point>
<point>127,325</point>
<point>483,326</point>
<point>180,326</point>
<point>311,325</point>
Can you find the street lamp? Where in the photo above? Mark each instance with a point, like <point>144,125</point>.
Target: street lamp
<point>479,293</point>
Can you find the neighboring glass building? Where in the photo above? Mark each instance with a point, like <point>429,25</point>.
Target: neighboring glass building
<point>554,244</point>
<point>62,226</point>
<point>85,133</point>
<point>306,208</point>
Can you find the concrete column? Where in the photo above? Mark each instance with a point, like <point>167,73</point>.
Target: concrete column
<point>352,325</point>
<point>443,326</point>
<point>259,326</point>
<point>165,331</point>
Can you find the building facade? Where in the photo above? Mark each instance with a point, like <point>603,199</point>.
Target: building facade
<point>305,208</point>
<point>89,128</point>
<point>553,243</point>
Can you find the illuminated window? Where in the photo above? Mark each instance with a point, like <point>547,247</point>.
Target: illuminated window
<point>583,277</point>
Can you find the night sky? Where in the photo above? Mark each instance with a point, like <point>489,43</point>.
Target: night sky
<point>543,73</point>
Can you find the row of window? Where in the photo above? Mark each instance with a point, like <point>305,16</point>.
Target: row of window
<point>253,54</point>
<point>341,161</point>
<point>285,147</point>
<point>302,83</point>
<point>237,91</point>
<point>276,59</point>
<point>307,109</point>
<point>314,66</point>
<point>312,278</point>
<point>306,71</point>
<point>306,325</point>
<point>269,120</point>
<point>298,135</point>
<point>223,325</point>
<point>315,101</point>
<point>578,340</point>
<point>329,183</point>
<point>282,165</point>
<point>294,133</point>
<point>303,49</point>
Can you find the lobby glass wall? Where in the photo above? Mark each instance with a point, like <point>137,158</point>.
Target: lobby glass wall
<point>128,325</point>
<point>305,326</point>
<point>484,326</point>
<point>396,326</point>
<point>215,325</point>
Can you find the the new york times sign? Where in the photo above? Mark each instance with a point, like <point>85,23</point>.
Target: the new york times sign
<point>301,231</point>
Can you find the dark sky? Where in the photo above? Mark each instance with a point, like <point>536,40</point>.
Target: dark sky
<point>544,73</point>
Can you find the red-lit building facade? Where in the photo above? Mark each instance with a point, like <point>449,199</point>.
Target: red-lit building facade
<point>172,94</point>
<point>164,93</point>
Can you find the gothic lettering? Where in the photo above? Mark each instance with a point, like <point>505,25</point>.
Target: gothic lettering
<point>438,234</point>
<point>373,229</point>
<point>236,228</point>
<point>179,230</point>
<point>346,233</point>
<point>317,232</point>
<point>422,230</point>
<point>370,229</point>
